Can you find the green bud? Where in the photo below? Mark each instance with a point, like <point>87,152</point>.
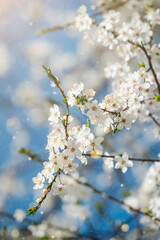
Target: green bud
<point>148,7</point>
<point>63,122</point>
<point>142,64</point>
<point>115,129</point>
<point>99,207</point>
<point>31,211</point>
<point>157,97</point>
<point>147,210</point>
<point>126,193</point>
<point>78,202</point>
<point>88,123</point>
<point>44,238</point>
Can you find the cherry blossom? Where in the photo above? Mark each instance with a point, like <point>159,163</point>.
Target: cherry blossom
<point>123,162</point>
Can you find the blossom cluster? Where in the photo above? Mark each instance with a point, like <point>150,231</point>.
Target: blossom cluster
<point>148,196</point>
<point>64,150</point>
<point>121,161</point>
<point>67,144</point>
<point>134,92</point>
<point>135,95</point>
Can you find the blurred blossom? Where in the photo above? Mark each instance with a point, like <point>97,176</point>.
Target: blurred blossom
<point>7,189</point>
<point>104,179</point>
<point>76,211</point>
<point>38,51</point>
<point>38,230</point>
<point>19,134</point>
<point>19,215</point>
<point>5,59</point>
<point>61,62</point>
<point>33,100</point>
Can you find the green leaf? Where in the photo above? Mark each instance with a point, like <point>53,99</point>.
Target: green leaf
<point>25,151</point>
<point>99,207</point>
<point>115,129</point>
<point>31,211</point>
<point>88,123</point>
<point>147,210</point>
<point>142,65</point>
<point>44,238</point>
<point>125,193</point>
<point>148,7</point>
<point>81,99</point>
<point>120,154</point>
<point>78,202</point>
<point>47,69</point>
<point>157,97</point>
<point>3,233</point>
<point>64,122</point>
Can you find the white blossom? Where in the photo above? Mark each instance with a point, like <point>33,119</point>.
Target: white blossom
<point>59,189</point>
<point>19,215</point>
<point>39,180</point>
<point>82,20</point>
<point>54,114</point>
<point>153,16</point>
<point>154,205</point>
<point>123,162</point>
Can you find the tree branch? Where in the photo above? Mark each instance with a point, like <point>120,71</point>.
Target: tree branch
<point>130,158</point>
<point>32,210</point>
<point>150,65</point>
<point>153,118</point>
<point>105,195</point>
<point>77,234</point>
<point>57,83</point>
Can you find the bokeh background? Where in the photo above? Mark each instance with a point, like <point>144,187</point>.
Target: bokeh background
<point>25,99</point>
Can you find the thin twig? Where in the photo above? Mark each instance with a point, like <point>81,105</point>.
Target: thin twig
<point>32,210</point>
<point>130,158</point>
<point>57,83</point>
<point>98,13</point>
<point>103,156</point>
<point>77,234</point>
<point>105,195</point>
<point>153,118</point>
<point>7,215</point>
<point>65,124</point>
<point>150,65</point>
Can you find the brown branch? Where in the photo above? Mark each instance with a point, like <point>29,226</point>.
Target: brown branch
<point>7,215</point>
<point>55,28</point>
<point>98,13</point>
<point>130,158</point>
<point>119,4</point>
<point>105,195</point>
<point>77,234</point>
<point>153,118</point>
<point>111,112</point>
<point>103,156</point>
<point>48,189</point>
<point>32,210</point>
<point>57,83</point>
<point>150,65</point>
